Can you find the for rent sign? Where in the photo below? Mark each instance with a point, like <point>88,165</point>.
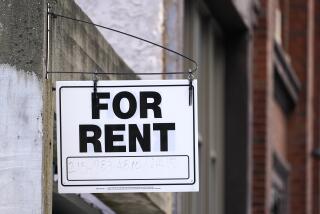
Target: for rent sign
<point>128,136</point>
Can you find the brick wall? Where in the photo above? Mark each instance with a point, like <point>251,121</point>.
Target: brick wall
<point>291,135</point>
<point>300,123</point>
<point>316,128</point>
<point>261,99</point>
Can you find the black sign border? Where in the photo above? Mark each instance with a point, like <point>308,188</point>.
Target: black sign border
<point>137,185</point>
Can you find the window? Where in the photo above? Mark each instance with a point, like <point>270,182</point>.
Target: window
<point>204,42</point>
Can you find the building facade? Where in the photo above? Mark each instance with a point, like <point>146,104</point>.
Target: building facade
<point>286,108</point>
<point>219,37</point>
<point>258,94</point>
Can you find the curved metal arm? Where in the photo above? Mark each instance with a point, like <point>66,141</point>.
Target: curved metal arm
<point>195,64</point>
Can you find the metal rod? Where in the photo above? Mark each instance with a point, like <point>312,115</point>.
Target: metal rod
<point>47,39</point>
<point>113,73</point>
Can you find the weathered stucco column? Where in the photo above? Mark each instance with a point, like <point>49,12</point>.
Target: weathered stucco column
<point>23,113</point>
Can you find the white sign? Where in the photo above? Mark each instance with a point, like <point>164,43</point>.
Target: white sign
<point>128,136</point>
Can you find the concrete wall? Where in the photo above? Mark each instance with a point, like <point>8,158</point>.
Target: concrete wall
<point>21,141</point>
<point>138,17</point>
<point>78,47</point>
<point>246,9</point>
<point>21,111</point>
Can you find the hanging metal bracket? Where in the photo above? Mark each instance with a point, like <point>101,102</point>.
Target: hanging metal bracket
<point>55,15</point>
<point>190,72</point>
<point>95,83</point>
<point>190,78</point>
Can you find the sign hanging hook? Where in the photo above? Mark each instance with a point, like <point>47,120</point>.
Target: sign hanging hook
<point>95,82</point>
<point>190,78</point>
